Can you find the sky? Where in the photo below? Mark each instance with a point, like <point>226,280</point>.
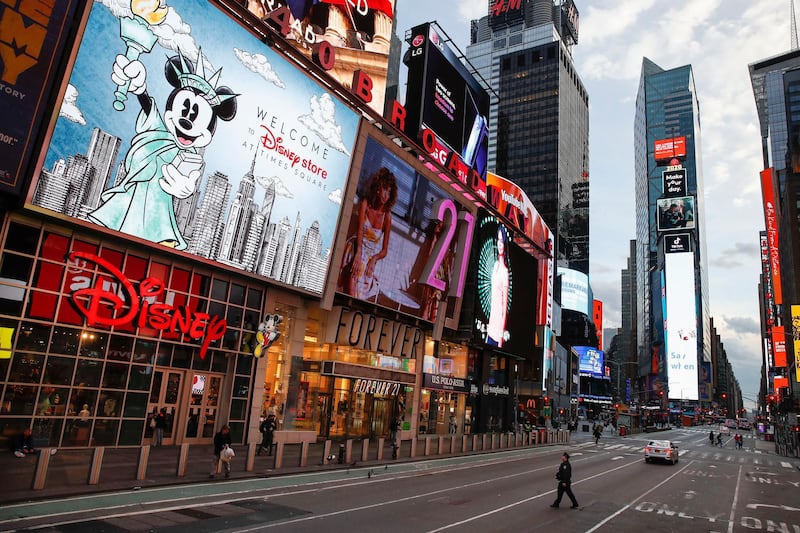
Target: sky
<point>719,38</point>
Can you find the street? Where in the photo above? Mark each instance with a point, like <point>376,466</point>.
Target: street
<point>710,489</point>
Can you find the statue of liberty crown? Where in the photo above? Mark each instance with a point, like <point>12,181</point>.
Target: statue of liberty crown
<point>197,80</point>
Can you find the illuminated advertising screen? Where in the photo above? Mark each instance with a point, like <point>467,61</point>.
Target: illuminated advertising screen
<point>771,222</point>
<point>574,290</point>
<point>32,40</point>
<point>591,361</point>
<point>675,213</point>
<point>442,96</point>
<point>506,303</point>
<point>664,149</point>
<point>681,326</point>
<point>360,33</point>
<point>407,240</point>
<point>181,128</point>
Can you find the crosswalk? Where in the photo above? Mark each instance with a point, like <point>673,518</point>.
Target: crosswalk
<point>748,455</point>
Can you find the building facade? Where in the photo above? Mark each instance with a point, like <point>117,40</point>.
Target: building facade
<point>539,114</point>
<point>671,258</point>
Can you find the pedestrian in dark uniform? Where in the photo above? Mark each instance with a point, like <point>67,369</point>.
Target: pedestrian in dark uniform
<point>268,427</point>
<point>564,477</point>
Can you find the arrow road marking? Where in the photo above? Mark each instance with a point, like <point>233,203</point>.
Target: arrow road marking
<point>783,507</point>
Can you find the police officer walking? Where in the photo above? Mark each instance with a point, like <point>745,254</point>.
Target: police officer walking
<point>564,477</point>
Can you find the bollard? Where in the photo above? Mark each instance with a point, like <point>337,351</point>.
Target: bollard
<point>365,449</point>
<point>183,458</point>
<point>341,453</point>
<point>396,447</point>
<point>381,442</point>
<point>42,462</point>
<point>250,464</point>
<point>326,453</point>
<point>144,457</point>
<point>304,447</point>
<point>97,463</point>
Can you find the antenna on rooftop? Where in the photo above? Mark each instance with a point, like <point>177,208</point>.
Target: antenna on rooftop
<point>793,28</point>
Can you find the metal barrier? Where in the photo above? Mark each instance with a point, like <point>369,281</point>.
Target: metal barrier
<point>131,465</point>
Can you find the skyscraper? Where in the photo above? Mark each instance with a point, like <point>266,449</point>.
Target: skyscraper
<point>539,114</point>
<point>673,326</point>
<point>776,86</point>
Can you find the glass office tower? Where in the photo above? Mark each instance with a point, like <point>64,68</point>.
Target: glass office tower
<point>539,116</point>
<point>667,109</point>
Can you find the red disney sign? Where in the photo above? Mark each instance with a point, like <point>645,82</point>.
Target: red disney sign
<point>143,309</point>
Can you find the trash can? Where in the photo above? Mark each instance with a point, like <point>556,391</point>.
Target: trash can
<point>622,431</point>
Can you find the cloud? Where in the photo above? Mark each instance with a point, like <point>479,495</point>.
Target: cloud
<point>336,196</point>
<point>69,107</point>
<point>280,188</point>
<point>743,325</point>
<point>259,64</point>
<point>322,121</point>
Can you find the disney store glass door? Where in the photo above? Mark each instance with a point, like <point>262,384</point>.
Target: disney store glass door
<point>203,407</point>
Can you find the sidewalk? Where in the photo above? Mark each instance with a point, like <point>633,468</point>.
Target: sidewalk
<point>69,470</point>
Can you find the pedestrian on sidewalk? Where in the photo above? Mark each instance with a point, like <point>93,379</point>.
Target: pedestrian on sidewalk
<point>564,477</point>
<point>268,427</point>
<point>221,440</point>
<point>160,425</point>
<point>598,430</point>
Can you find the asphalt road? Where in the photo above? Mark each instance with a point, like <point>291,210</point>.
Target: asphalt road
<point>711,489</point>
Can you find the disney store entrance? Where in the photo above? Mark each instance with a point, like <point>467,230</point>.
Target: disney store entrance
<point>191,401</point>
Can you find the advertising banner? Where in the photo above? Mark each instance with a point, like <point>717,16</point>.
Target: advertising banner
<point>505,311</point>
<point>359,32</point>
<point>796,340</point>
<point>677,242</point>
<point>407,239</point>
<point>181,128</point>
<point>676,213</point>
<point>444,97</point>
<point>664,149</point>
<point>591,361</point>
<point>32,39</point>
<point>771,223</point>
<point>574,290</point>
<point>674,182</point>
<point>681,326</point>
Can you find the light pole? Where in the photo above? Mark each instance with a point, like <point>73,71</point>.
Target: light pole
<point>619,366</point>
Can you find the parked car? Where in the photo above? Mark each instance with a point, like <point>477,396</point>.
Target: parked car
<point>661,450</point>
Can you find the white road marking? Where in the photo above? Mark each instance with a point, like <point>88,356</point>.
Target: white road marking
<point>735,499</point>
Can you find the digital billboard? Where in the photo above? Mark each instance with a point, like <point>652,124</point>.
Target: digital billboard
<point>181,128</point>
<point>665,149</point>
<point>444,97</point>
<point>574,290</point>
<point>359,32</point>
<point>33,36</point>
<point>505,299</point>
<point>407,241</point>
<point>771,222</point>
<point>681,326</point>
<point>676,213</point>
<point>591,361</point>
<point>511,201</point>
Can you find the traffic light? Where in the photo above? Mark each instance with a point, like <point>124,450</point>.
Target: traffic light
<point>724,396</point>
